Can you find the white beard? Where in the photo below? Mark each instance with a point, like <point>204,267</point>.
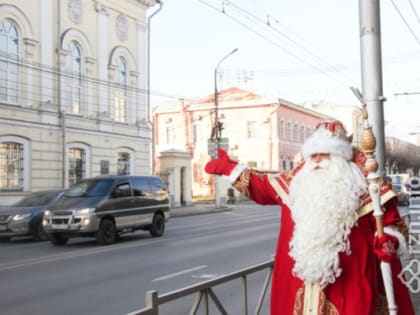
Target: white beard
<point>323,204</point>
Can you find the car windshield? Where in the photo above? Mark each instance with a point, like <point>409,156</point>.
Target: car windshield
<point>90,188</point>
<point>36,199</point>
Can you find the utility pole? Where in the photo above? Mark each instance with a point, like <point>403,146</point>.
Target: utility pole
<point>371,65</point>
<point>218,126</point>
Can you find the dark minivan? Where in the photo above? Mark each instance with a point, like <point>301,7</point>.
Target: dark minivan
<point>106,206</point>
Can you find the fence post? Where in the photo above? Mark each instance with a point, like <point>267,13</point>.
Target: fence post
<point>152,301</point>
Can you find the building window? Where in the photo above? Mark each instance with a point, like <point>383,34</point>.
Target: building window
<point>281,130</point>
<point>77,165</point>
<point>75,82</point>
<point>291,165</point>
<point>9,56</point>
<point>302,134</point>
<point>199,133</point>
<point>194,136</point>
<point>251,129</point>
<point>123,163</point>
<point>170,135</point>
<point>284,165</point>
<point>11,166</point>
<point>295,133</point>
<point>120,98</point>
<point>289,131</point>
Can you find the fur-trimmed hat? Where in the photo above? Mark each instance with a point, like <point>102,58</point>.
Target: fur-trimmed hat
<point>328,137</point>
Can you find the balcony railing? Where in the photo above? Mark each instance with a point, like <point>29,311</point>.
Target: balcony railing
<point>205,290</point>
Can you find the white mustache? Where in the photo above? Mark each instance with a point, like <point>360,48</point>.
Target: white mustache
<point>324,164</point>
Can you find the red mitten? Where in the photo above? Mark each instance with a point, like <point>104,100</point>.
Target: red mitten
<point>385,247</point>
<point>223,165</point>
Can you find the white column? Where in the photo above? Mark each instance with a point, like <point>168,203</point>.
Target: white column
<point>47,49</point>
<point>142,61</point>
<point>102,57</point>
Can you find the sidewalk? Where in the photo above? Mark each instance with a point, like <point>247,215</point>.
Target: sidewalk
<point>198,208</point>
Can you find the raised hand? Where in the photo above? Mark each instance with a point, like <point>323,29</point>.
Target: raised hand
<point>223,165</point>
<point>385,247</point>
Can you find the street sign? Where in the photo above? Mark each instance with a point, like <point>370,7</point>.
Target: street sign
<point>212,146</point>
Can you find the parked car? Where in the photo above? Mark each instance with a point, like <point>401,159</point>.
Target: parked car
<point>403,194</point>
<point>24,218</point>
<point>107,206</point>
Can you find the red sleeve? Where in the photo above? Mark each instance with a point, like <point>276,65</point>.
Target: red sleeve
<point>391,212</point>
<point>256,186</point>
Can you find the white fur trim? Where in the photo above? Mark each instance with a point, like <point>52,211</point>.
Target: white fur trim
<point>402,251</point>
<point>235,173</point>
<point>327,144</point>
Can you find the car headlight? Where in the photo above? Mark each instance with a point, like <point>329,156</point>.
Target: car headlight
<point>47,213</point>
<point>20,217</point>
<point>84,211</point>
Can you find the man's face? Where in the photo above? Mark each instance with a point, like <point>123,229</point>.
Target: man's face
<point>320,160</point>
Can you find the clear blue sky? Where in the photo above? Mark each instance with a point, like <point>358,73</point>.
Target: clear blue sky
<point>310,51</point>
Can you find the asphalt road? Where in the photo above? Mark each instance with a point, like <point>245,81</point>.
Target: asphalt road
<point>84,278</point>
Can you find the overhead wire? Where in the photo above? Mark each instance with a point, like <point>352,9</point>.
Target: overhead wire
<point>405,22</point>
<point>289,38</point>
<point>250,16</point>
<point>414,10</point>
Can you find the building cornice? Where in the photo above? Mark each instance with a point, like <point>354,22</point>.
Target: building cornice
<point>148,3</point>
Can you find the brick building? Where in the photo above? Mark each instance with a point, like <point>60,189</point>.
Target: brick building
<point>264,133</point>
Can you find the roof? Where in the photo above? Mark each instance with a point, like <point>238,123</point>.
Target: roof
<point>231,94</point>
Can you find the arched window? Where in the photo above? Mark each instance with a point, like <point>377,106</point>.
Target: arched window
<point>123,163</point>
<point>289,131</point>
<point>295,132</point>
<point>77,165</point>
<point>9,56</point>
<point>120,98</point>
<point>282,136</point>
<point>11,166</point>
<point>75,69</point>
<point>302,133</point>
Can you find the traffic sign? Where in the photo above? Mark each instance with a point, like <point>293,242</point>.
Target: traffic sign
<point>212,145</point>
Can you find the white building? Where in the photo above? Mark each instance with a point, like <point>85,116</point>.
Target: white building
<point>73,92</point>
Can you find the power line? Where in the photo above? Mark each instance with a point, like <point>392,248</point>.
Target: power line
<point>276,44</point>
<point>414,11</point>
<point>293,41</point>
<point>405,22</point>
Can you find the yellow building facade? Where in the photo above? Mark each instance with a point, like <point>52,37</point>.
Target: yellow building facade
<point>73,92</point>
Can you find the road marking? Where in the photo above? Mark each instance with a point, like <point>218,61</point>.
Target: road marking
<point>179,273</point>
<point>70,255</point>
<point>206,276</point>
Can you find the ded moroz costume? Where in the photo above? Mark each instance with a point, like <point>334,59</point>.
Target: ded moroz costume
<point>327,256</point>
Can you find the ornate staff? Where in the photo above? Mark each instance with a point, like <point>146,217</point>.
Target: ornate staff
<point>368,144</point>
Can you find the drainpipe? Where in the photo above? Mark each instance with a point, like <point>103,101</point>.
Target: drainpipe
<point>149,119</point>
<point>61,114</point>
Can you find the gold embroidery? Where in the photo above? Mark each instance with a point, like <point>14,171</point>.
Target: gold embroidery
<point>382,307</point>
<point>298,308</point>
<point>324,306</point>
<point>243,182</point>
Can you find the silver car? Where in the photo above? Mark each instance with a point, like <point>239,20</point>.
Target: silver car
<point>24,218</point>
<point>107,206</point>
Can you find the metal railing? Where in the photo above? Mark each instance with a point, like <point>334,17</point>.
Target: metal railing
<point>204,291</point>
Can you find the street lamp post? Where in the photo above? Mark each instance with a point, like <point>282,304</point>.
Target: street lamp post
<point>217,128</point>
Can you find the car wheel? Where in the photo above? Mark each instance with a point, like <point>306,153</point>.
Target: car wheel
<point>158,225</point>
<point>39,233</point>
<point>4,238</point>
<point>107,233</point>
<point>58,239</point>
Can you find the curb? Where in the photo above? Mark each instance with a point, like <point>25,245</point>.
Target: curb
<point>194,210</point>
